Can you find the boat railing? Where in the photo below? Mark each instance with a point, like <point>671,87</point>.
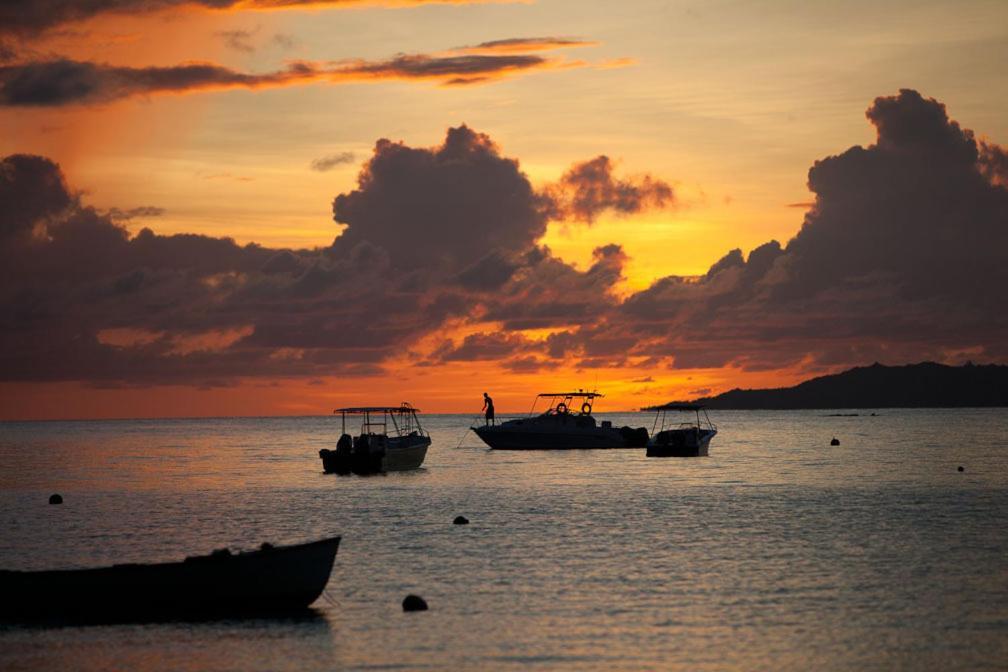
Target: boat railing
<point>375,420</point>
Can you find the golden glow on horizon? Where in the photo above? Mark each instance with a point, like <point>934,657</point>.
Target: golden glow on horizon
<point>731,104</point>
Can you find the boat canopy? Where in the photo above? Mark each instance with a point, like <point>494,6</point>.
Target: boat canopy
<point>357,410</point>
<point>560,403</point>
<point>377,418</point>
<point>662,409</point>
<point>580,394</point>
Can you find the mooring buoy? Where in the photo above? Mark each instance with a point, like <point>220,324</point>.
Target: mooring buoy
<point>55,499</point>
<point>460,520</point>
<point>835,442</point>
<point>414,603</point>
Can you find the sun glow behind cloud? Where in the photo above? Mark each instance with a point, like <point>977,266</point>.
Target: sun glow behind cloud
<point>731,125</point>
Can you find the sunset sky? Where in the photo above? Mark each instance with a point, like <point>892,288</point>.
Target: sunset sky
<point>246,207</point>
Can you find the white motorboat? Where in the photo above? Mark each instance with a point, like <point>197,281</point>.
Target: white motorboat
<point>567,423</point>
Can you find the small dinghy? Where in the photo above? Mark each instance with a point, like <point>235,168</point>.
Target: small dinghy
<point>390,439</point>
<point>271,580</point>
<point>680,439</point>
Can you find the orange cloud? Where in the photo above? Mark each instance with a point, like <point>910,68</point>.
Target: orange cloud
<point>518,45</point>
<point>63,81</point>
<point>30,17</point>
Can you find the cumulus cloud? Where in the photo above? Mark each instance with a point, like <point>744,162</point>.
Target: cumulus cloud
<point>589,188</point>
<point>444,207</point>
<point>901,252</point>
<point>82,299</point>
<point>65,81</point>
<point>900,257</point>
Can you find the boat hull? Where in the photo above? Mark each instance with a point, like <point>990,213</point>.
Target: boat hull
<point>379,454</point>
<point>680,443</point>
<point>272,580</point>
<point>503,437</point>
<point>406,456</point>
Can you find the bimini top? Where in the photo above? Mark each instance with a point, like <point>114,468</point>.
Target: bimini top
<point>674,406</point>
<point>579,394</point>
<point>401,408</point>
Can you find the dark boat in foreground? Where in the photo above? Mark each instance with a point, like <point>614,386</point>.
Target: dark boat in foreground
<point>680,439</point>
<point>563,425</point>
<point>271,580</point>
<point>390,439</point>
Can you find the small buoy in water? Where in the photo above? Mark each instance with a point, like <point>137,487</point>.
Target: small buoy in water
<point>55,499</point>
<point>460,520</point>
<point>961,468</point>
<point>414,603</point>
<point>835,442</point>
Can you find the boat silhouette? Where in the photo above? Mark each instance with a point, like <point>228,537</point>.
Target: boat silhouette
<point>270,580</point>
<point>567,423</point>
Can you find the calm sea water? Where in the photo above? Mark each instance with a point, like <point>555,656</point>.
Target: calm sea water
<point>776,552</point>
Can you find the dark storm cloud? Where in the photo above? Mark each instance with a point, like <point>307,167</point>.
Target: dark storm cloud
<point>32,189</point>
<point>68,82</point>
<point>64,81</point>
<point>29,17</point>
<point>330,161</point>
<point>442,208</point>
<point>432,232</point>
<point>482,346</point>
<point>902,252</point>
<point>994,163</point>
<point>589,188</point>
<point>901,257</point>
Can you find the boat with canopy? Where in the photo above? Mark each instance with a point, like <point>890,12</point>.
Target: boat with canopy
<point>566,423</point>
<point>389,438</point>
<point>673,437</point>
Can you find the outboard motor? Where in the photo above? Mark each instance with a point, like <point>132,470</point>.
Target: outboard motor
<point>338,461</point>
<point>360,460</point>
<point>344,449</point>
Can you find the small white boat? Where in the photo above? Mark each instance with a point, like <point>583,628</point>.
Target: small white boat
<point>672,438</point>
<point>567,423</point>
<point>390,439</point>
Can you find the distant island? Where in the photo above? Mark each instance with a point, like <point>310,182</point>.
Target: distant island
<point>924,385</point>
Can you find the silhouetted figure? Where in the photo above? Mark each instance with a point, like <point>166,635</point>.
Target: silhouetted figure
<point>488,407</point>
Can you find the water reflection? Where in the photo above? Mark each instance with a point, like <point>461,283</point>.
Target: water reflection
<point>776,551</point>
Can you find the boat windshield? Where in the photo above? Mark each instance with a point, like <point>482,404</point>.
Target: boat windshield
<point>377,420</point>
<point>559,403</point>
<point>676,416</point>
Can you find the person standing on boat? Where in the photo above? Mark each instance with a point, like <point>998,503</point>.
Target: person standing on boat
<point>488,407</point>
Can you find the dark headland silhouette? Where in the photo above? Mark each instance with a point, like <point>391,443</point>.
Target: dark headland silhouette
<point>924,385</point>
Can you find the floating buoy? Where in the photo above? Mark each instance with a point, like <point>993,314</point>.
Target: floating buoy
<point>55,499</point>
<point>460,520</point>
<point>835,442</point>
<point>414,603</point>
<point>961,468</point>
